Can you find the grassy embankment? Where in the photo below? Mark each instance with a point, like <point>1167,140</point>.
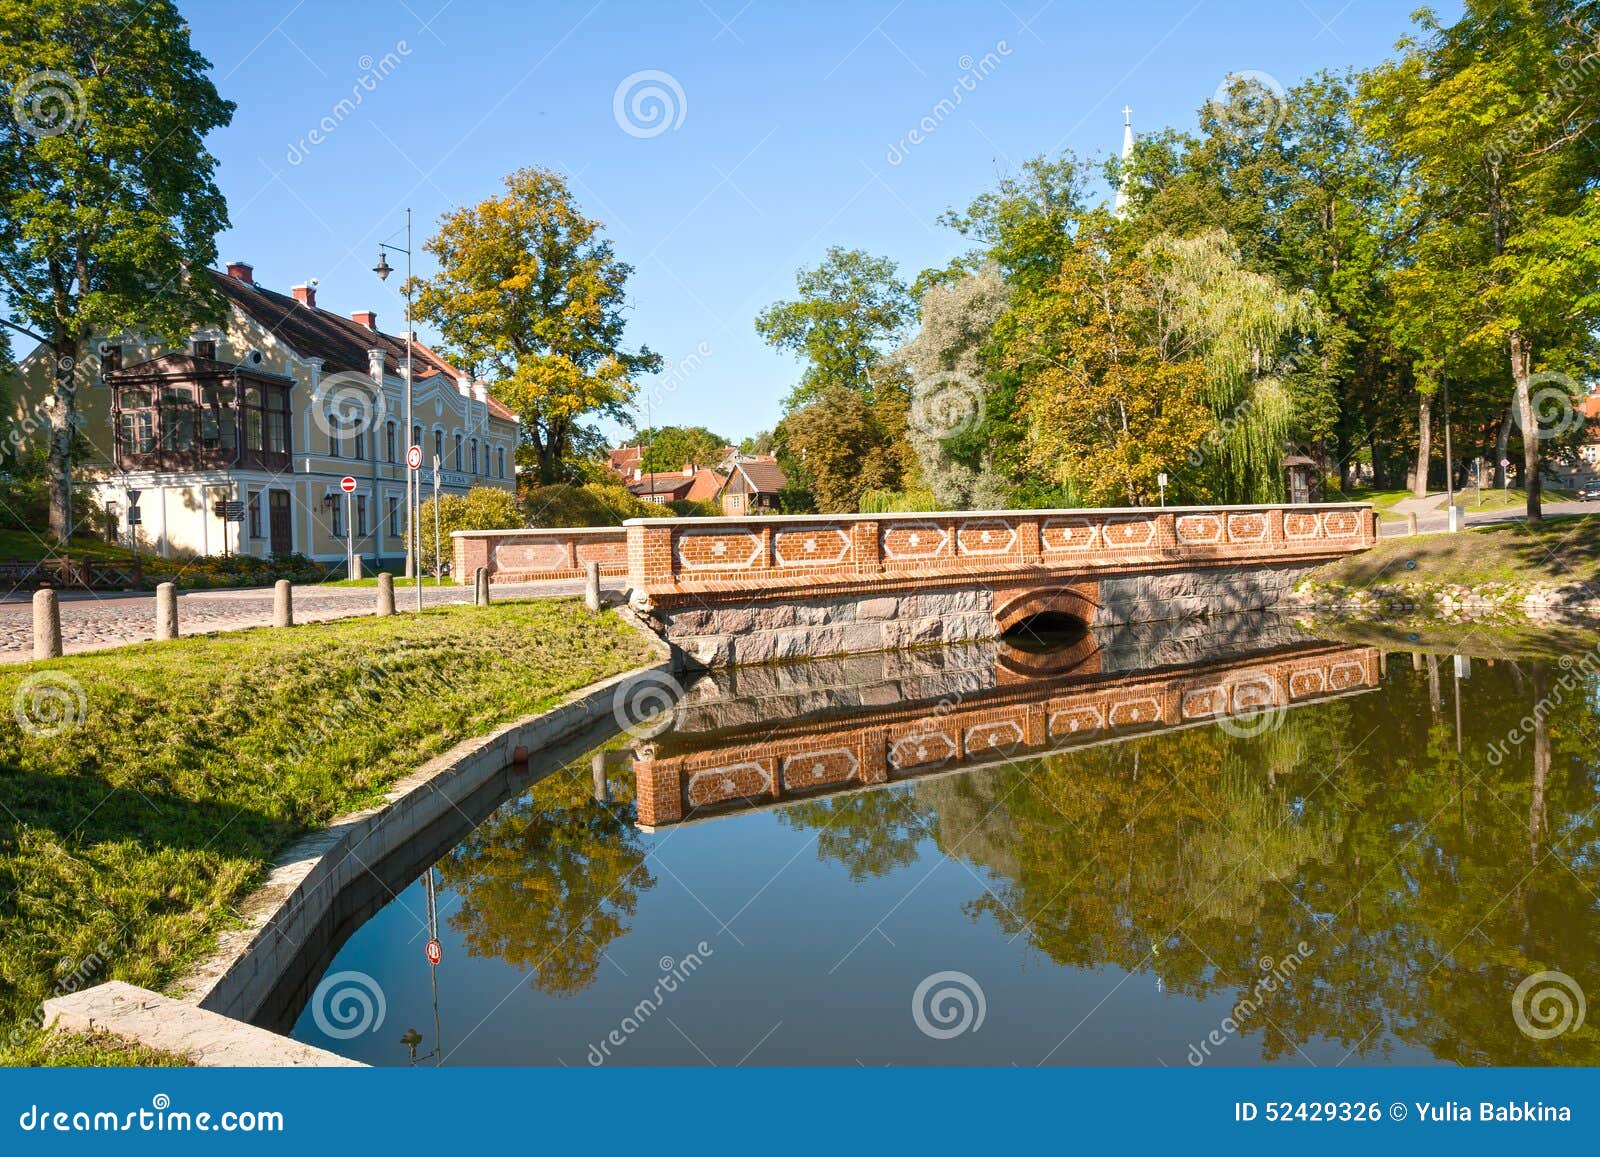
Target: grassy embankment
<point>127,838</point>
<point>1561,551</point>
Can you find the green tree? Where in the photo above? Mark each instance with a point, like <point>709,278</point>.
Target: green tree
<point>843,445</point>
<point>1108,407</point>
<point>107,200</point>
<point>848,312</point>
<point>530,288</point>
<point>1494,116</point>
<point>674,447</point>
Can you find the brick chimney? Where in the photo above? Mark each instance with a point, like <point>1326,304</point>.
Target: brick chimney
<point>306,295</point>
<point>242,271</point>
<point>367,318</point>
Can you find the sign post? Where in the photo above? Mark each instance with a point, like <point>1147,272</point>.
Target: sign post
<point>348,485</point>
<point>1505,473</point>
<point>1161,481</point>
<point>438,559</point>
<point>413,531</point>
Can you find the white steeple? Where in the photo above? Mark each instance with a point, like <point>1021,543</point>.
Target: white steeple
<point>1120,205</point>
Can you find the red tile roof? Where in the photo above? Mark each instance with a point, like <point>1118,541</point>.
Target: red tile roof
<point>341,343</point>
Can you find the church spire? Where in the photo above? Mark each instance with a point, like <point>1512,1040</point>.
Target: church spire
<point>1120,204</point>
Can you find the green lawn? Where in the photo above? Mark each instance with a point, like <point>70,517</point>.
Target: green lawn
<point>58,1049</point>
<point>1562,550</point>
<point>127,840</point>
<point>28,546</point>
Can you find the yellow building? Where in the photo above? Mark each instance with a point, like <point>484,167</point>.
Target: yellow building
<point>272,410</point>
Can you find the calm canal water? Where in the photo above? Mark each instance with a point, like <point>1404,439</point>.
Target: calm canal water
<point>1085,860</point>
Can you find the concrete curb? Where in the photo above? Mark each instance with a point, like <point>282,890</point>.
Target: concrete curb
<point>289,912</point>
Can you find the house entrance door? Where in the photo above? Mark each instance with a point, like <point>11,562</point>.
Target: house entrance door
<point>282,530</point>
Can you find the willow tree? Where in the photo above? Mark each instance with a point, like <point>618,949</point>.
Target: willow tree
<point>1248,332</point>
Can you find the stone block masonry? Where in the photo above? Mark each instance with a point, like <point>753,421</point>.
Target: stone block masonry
<point>727,591</point>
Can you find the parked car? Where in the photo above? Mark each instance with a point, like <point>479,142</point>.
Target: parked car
<point>1589,492</point>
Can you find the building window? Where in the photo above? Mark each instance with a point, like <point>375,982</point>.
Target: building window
<point>396,529</point>
<point>389,441</point>
<point>459,443</point>
<point>205,348</point>
<point>110,359</point>
<point>333,434</point>
<point>416,437</point>
<point>438,448</point>
<point>138,432</point>
<point>361,515</point>
<point>253,511</point>
<point>361,444</point>
<point>500,461</point>
<point>475,457</point>
<point>336,522</point>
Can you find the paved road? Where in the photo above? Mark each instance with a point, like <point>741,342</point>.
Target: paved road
<point>1432,523</point>
<point>91,622</point>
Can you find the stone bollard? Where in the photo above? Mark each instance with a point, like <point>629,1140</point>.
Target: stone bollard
<point>385,594</point>
<point>46,625</point>
<point>355,567</point>
<point>597,768</point>
<point>591,586</point>
<point>1411,522</point>
<point>166,611</point>
<point>1416,660</point>
<point>480,587</point>
<point>282,604</point>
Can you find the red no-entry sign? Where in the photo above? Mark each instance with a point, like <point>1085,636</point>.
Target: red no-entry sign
<point>435,952</point>
<point>347,484</point>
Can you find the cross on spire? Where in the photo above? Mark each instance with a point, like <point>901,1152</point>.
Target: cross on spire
<point>1127,116</point>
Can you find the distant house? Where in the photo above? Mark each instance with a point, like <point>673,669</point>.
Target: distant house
<point>269,411</point>
<point>752,487</point>
<point>691,483</point>
<point>1569,475</point>
<point>625,461</point>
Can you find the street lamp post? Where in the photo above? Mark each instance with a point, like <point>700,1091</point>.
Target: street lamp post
<point>413,531</point>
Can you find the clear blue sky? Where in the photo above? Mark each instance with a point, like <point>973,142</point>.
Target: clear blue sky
<point>789,114</point>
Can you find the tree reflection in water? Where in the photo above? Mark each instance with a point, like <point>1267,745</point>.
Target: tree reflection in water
<point>547,883</point>
<point>1427,877</point>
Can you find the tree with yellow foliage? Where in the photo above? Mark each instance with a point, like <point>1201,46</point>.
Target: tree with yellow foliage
<point>529,290</point>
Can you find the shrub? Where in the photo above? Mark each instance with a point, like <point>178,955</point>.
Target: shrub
<point>897,501</point>
<point>594,504</point>
<point>481,508</point>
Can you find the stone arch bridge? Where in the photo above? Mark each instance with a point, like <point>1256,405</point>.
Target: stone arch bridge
<point>735,591</point>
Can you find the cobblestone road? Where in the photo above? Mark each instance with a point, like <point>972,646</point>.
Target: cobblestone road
<point>90,622</point>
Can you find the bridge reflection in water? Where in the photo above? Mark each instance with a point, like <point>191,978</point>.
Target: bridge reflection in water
<point>761,737</point>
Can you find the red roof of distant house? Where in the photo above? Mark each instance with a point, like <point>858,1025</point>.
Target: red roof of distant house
<point>626,459</point>
<point>340,342</point>
<point>764,476</point>
<point>674,484</point>
<point>1590,407</point>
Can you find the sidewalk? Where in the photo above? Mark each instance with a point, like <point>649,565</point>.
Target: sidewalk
<point>91,622</point>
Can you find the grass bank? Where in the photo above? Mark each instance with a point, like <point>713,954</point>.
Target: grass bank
<point>1562,551</point>
<point>144,791</point>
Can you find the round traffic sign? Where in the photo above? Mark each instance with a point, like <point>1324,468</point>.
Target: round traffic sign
<point>347,484</point>
<point>414,457</point>
<point>435,952</point>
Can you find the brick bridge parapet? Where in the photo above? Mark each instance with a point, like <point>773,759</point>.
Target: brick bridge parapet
<point>743,590</point>
<point>528,555</point>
